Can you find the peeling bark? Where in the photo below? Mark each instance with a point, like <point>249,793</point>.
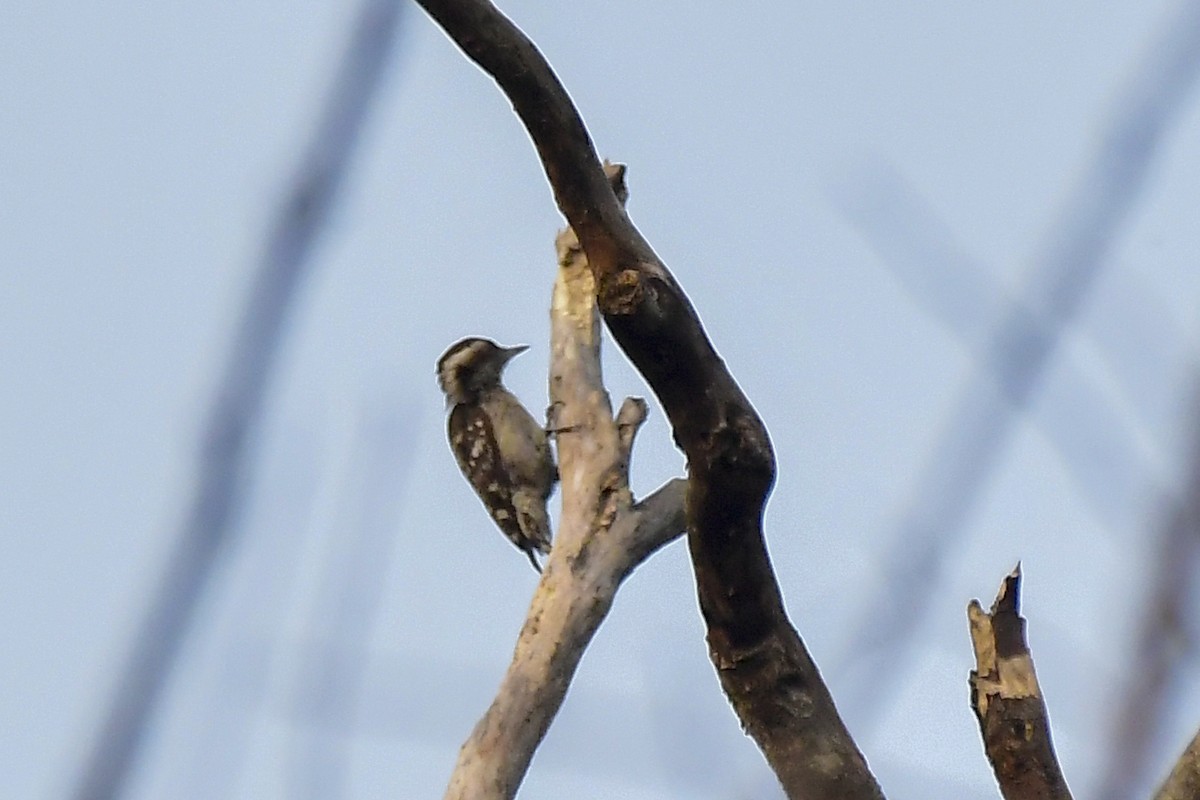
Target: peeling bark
<point>1008,702</point>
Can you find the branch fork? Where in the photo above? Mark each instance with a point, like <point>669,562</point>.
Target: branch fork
<point>602,536</point>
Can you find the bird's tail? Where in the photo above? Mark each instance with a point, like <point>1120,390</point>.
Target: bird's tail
<point>535,525</point>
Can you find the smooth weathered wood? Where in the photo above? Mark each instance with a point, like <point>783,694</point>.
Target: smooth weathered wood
<point>602,536</point>
<point>764,668</point>
<point>1008,702</point>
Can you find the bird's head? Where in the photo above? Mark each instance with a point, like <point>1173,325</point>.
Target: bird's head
<point>471,366</point>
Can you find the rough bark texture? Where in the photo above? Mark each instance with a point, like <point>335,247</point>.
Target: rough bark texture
<point>764,668</point>
<point>602,536</point>
<point>1008,702</point>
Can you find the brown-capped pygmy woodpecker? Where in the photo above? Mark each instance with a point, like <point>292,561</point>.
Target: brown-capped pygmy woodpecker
<point>502,451</point>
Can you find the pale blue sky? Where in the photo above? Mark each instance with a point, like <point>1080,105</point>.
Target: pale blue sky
<point>143,149</point>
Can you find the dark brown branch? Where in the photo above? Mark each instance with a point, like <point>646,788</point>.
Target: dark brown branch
<point>764,668</point>
<point>1008,702</point>
<point>493,42</point>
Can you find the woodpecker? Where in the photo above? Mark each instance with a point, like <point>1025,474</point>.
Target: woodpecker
<point>502,451</point>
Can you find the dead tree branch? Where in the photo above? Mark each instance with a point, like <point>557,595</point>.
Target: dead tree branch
<point>602,536</point>
<point>1184,781</point>
<point>763,665</point>
<point>1008,702</point>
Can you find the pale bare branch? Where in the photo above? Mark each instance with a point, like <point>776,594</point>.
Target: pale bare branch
<point>602,536</point>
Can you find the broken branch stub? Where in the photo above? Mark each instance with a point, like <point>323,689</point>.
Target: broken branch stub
<point>1007,700</point>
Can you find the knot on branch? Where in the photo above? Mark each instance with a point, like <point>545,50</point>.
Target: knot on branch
<point>615,498</point>
<point>621,292</point>
<point>736,454</point>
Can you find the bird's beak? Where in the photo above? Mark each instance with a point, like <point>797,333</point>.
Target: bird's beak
<point>512,352</point>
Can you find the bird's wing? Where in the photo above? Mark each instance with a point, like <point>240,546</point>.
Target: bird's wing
<point>478,454</point>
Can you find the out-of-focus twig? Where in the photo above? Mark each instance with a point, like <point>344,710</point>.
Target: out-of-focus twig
<point>347,604</point>
<point>1162,640</point>
<point>1015,356</point>
<point>1101,450</point>
<point>251,637</point>
<point>234,420</point>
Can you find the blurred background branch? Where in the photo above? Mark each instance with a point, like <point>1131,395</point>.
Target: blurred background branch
<point>1164,639</point>
<point>355,567</point>
<point>1014,353</point>
<point>234,420</point>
